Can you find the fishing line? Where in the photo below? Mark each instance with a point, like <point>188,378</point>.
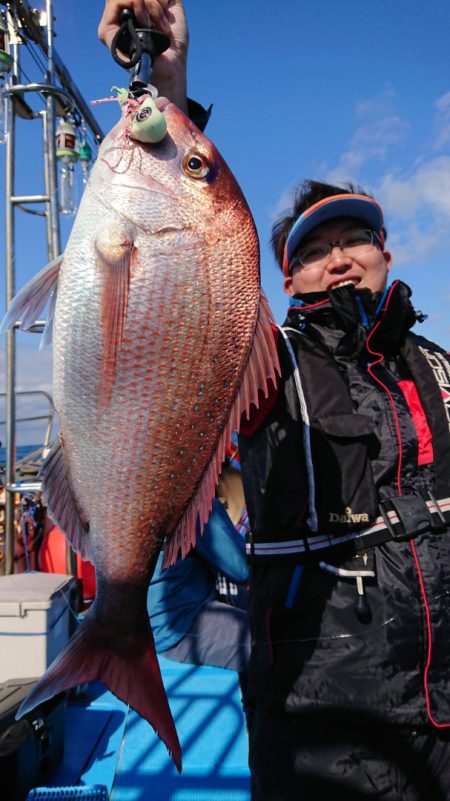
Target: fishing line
<point>120,754</point>
<point>28,79</point>
<point>70,608</point>
<point>35,57</point>
<point>93,750</point>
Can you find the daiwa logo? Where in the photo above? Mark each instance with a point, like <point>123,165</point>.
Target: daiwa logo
<point>441,371</point>
<point>349,517</point>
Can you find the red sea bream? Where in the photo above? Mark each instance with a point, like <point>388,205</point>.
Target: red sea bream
<point>162,340</point>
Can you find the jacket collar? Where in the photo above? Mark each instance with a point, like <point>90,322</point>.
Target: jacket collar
<point>343,319</point>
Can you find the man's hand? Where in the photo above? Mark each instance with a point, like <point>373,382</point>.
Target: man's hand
<point>167,16</point>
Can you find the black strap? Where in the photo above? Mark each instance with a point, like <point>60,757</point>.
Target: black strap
<point>126,34</point>
<point>412,516</point>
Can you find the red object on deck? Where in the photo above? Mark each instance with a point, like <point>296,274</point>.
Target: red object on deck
<point>52,559</point>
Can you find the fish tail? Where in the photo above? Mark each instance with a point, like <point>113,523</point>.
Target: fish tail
<point>133,675</point>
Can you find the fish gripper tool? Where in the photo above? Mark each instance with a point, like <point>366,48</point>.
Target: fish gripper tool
<point>141,45</point>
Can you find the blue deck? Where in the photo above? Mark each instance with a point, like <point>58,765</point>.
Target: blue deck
<point>106,743</point>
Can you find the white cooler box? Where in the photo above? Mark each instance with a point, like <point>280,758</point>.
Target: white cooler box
<point>35,622</point>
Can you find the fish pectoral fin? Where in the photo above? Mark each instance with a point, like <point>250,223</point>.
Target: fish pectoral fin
<point>263,366</point>
<point>62,506</point>
<point>114,254</point>
<point>28,304</point>
<point>131,673</point>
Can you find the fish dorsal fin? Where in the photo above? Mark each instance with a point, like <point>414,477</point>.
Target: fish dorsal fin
<point>28,304</point>
<point>113,259</point>
<point>263,365</point>
<point>61,503</point>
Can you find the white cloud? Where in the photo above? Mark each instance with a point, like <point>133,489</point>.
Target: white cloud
<point>424,190</point>
<point>418,242</point>
<point>379,105</point>
<point>371,141</point>
<point>416,200</point>
<point>380,129</point>
<point>417,207</point>
<point>443,103</point>
<point>442,121</point>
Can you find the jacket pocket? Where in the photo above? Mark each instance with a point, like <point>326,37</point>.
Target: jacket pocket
<point>345,491</point>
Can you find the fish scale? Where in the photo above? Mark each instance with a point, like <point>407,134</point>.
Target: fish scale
<point>162,339</point>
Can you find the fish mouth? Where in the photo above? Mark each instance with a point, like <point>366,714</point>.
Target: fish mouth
<point>153,186</point>
<point>119,181</point>
<point>169,228</point>
<point>162,103</point>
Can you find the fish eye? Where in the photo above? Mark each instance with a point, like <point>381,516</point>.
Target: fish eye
<point>196,165</point>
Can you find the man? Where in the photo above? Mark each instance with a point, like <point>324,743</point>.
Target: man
<point>350,620</point>
<point>346,471</point>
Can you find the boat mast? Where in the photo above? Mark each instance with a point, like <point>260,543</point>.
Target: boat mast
<point>61,97</point>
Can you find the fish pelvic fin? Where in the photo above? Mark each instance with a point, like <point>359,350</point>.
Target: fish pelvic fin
<point>28,304</point>
<point>132,674</point>
<point>263,366</point>
<point>113,260</point>
<point>62,506</point>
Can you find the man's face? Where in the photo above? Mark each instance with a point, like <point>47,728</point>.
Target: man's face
<point>365,267</point>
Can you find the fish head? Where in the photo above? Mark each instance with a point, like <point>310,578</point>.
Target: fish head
<point>180,183</point>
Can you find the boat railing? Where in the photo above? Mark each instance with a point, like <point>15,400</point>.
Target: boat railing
<point>25,489</point>
<point>29,465</point>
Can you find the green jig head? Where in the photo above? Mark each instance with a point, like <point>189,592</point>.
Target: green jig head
<point>148,123</point>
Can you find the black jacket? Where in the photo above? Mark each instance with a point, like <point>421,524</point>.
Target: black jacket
<point>378,427</point>
<point>364,444</point>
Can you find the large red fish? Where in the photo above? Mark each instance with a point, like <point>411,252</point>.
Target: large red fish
<point>162,340</point>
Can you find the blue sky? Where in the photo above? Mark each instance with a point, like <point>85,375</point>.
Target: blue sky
<point>335,90</point>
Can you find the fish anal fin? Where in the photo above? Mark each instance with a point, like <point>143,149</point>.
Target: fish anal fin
<point>30,301</point>
<point>134,678</point>
<point>263,366</point>
<point>113,260</point>
<point>61,503</point>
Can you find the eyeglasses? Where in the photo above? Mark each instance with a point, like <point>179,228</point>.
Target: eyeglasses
<point>352,244</point>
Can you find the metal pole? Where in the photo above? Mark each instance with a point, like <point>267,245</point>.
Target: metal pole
<point>51,188</point>
<point>48,210</point>
<point>24,11</point>
<point>29,199</point>
<point>49,133</point>
<point>11,335</point>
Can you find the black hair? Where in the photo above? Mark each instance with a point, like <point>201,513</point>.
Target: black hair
<point>307,194</point>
